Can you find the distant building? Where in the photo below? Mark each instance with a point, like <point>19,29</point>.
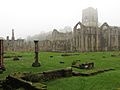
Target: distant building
<point>103,38</point>
<point>90,17</point>
<point>59,41</point>
<point>86,36</point>
<point>12,44</point>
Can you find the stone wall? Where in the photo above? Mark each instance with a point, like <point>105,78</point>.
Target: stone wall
<point>14,45</point>
<point>30,81</point>
<point>48,75</point>
<point>84,39</point>
<point>104,38</point>
<point>13,83</point>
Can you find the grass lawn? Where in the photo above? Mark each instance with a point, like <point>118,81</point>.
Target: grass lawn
<point>102,60</point>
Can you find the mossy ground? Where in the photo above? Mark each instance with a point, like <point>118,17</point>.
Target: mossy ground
<point>102,60</point>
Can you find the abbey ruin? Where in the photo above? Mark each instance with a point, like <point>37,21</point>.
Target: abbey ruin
<point>86,36</point>
<point>14,44</point>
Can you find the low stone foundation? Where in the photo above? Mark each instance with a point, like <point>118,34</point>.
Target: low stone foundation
<point>30,81</point>
<point>88,65</point>
<point>69,54</point>
<point>12,56</point>
<point>91,73</point>
<point>48,75</point>
<point>13,83</point>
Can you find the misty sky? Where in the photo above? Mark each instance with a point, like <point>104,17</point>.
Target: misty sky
<point>29,17</point>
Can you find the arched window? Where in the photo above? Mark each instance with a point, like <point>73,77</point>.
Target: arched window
<point>78,26</point>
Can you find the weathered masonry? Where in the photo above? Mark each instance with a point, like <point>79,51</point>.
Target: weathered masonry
<point>1,55</point>
<point>14,44</point>
<point>86,36</point>
<point>104,38</point>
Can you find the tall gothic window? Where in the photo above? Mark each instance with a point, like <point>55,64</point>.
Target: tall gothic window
<point>78,26</point>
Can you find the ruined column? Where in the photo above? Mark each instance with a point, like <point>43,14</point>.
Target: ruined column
<point>76,42</point>
<point>82,41</point>
<point>71,43</point>
<point>109,39</point>
<point>36,63</point>
<point>13,40</point>
<point>117,40</point>
<point>79,42</point>
<point>92,43</point>
<point>86,42</point>
<point>97,40</point>
<point>2,68</point>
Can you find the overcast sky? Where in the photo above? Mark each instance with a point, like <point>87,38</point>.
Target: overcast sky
<point>29,17</point>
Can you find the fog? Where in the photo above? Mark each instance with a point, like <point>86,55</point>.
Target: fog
<point>30,17</point>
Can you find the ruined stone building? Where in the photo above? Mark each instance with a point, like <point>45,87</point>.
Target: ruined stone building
<point>14,44</point>
<point>86,36</point>
<point>103,38</point>
<point>59,41</point>
<point>89,37</point>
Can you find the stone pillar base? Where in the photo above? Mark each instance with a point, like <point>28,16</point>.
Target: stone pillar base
<point>2,69</point>
<point>36,64</point>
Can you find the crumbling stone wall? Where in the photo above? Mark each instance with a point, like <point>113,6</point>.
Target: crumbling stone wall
<point>14,45</point>
<point>48,75</point>
<point>84,39</point>
<point>30,81</point>
<point>104,38</point>
<point>13,83</point>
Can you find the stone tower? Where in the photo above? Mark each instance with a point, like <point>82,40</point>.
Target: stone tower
<point>13,37</point>
<point>90,17</point>
<point>13,40</point>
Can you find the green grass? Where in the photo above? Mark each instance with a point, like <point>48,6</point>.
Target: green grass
<point>104,81</point>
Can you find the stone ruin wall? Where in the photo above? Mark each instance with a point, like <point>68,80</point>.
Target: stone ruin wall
<point>29,81</point>
<point>83,38</point>
<point>59,42</point>
<point>14,45</point>
<point>104,38</point>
